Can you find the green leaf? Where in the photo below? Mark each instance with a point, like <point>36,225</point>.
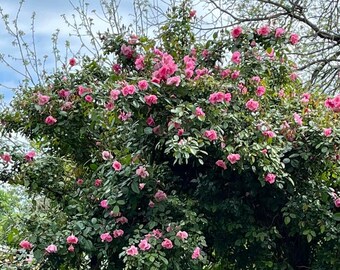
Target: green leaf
<point>148,130</point>
<point>287,220</point>
<point>336,216</point>
<point>134,187</point>
<point>115,209</point>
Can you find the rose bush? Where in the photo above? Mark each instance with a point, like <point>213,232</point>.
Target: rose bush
<point>182,155</point>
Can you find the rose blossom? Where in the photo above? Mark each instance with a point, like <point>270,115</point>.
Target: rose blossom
<point>139,63</point>
<point>150,121</point>
<point>26,245</point>
<point>160,196</point>
<point>236,57</point>
<point>64,93</point>
<point>144,245</point>
<point>80,181</point>
<point>294,38</point>
<point>221,163</point>
<point>71,248</point>
<point>182,235</point>
<point>270,178</point>
<point>6,157</point>
<point>151,204</point>
<point>252,105</point>
<point>176,80</point>
<point>279,32</point>
<point>88,98</point>
<point>117,165</point>
<point>327,132</point>
<point>132,251</point>
<point>211,134</point>
<point>167,243</point>
<point>233,158</point>
<point>126,51</point>
<point>150,99</point>
<point>197,252</point>
<point>141,186</point>
<point>235,74</point>
<point>30,155</point>
<point>337,202</point>
<point>106,237</point>
<point>142,172</point>
<point>51,249</point>
<point>104,204</point>
<point>143,85</point>
<point>199,112</point>
<point>50,120</point>
<point>236,32</point>
<point>42,99</point>
<point>297,119</point>
<point>98,182</point>
<point>122,220</point>
<point>260,90</point>
<point>72,62</point>
<point>118,233</point>
<point>106,155</point>
<point>71,239</point>
<point>263,30</point>
<point>192,13</point>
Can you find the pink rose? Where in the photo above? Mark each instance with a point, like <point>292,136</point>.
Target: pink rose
<point>227,97</point>
<point>126,51</point>
<point>256,79</point>
<point>141,186</point>
<point>150,99</point>
<point>124,116</point>
<point>279,32</point>
<point>106,237</point>
<point>143,85</point>
<point>128,90</point>
<point>270,178</point>
<point>235,74</point>
<point>269,133</point>
<point>192,13</point>
<point>337,202</point>
<point>104,204</point>
<point>42,100</point>
<point>106,155</point>
<point>51,249</point>
<point>71,248</point>
<point>160,196</point>
<point>225,73</point>
<point>117,165</point>
<point>116,68</point>
<point>327,132</point>
<point>50,120</point>
<point>150,121</point>
<point>29,156</point>
<point>114,94</point>
<point>216,97</point>
<point>118,233</point>
<point>72,62</point>
<point>64,93</point>
<point>176,80</point>
<point>233,158</point>
<point>196,254</point>
<point>305,97</point>
<point>6,157</point>
<point>211,134</point>
<point>298,119</point>
<point>182,235</point>
<point>260,90</point>
<point>122,220</point>
<point>144,245</point>
<point>139,62</point>
<point>26,245</point>
<point>98,182</point>
<point>151,204</point>
<point>142,172</point>
<point>88,98</point>
<point>293,76</point>
<point>157,233</point>
<point>199,112</point>
<point>80,181</point>
<point>263,30</point>
<point>82,90</point>
<point>132,251</point>
<point>221,163</point>
<point>236,32</point>
<point>236,57</point>
<point>71,239</point>
<point>294,38</point>
<point>167,244</point>
<point>252,105</point>
<point>67,106</point>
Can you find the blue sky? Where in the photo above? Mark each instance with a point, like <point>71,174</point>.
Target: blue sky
<point>48,19</point>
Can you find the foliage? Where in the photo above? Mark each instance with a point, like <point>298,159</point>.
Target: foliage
<point>180,139</point>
